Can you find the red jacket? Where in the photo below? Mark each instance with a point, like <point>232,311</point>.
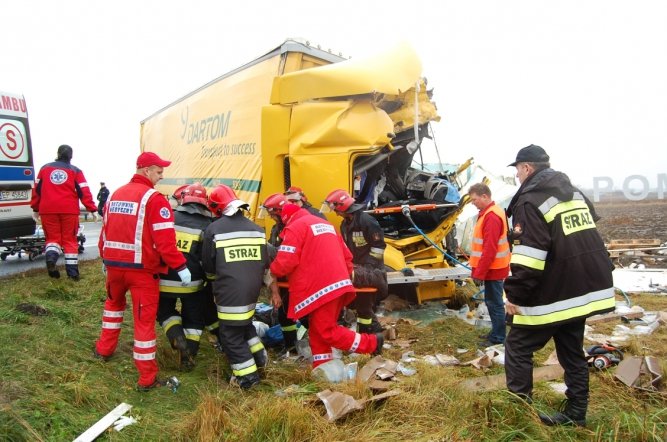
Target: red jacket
<point>316,262</point>
<point>59,187</point>
<point>138,231</point>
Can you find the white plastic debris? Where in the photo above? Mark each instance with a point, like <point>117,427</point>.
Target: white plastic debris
<point>123,422</point>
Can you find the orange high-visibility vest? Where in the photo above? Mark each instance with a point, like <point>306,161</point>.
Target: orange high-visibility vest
<point>503,254</point>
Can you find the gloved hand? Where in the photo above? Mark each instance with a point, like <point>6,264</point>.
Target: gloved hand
<point>478,282</point>
<point>96,216</point>
<point>185,275</point>
<point>35,216</point>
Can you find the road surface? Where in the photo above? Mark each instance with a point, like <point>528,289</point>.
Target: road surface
<point>13,264</point>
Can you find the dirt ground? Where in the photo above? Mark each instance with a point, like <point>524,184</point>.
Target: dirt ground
<point>633,220</point>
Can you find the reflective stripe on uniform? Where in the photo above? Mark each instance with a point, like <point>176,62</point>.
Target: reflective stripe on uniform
<point>377,252</point>
<point>566,309</point>
<point>193,334</point>
<point>323,357</point>
<point>139,228</point>
<point>239,242</point>
<point>111,325</point>
<point>168,286</point>
<point>244,368</point>
<point>529,257</point>
<point>323,291</point>
<point>287,328</point>
<point>236,313</point>
<point>255,345</point>
<point>113,314</point>
<point>355,344</point>
<point>145,344</point>
<point>143,356</point>
<point>170,322</point>
<point>553,207</point>
<point>163,226</point>
<point>364,321</point>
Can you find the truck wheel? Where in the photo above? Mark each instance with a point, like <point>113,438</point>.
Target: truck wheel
<point>31,256</point>
<point>3,256</point>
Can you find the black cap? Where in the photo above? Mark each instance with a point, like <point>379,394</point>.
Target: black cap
<point>531,154</point>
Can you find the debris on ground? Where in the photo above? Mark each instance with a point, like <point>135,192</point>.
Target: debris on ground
<point>497,382</point>
<point>643,373</point>
<point>338,404</point>
<point>101,425</point>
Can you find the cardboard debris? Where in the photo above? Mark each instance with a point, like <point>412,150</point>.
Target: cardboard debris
<point>404,343</point>
<point>662,318</point>
<point>408,321</point>
<point>368,371</point>
<point>491,355</point>
<point>552,359</point>
<point>643,373</point>
<point>339,404</point>
<point>447,360</point>
<point>487,383</point>
<point>378,385</point>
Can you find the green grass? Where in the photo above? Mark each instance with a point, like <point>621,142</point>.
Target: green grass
<point>52,389</point>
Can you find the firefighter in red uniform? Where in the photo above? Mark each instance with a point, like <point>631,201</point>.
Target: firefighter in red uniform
<point>318,266</point>
<point>58,188</point>
<point>234,256</point>
<point>137,243</point>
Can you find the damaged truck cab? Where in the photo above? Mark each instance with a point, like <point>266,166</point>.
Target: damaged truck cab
<point>305,117</point>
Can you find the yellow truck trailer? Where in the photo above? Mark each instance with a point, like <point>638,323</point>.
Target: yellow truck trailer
<point>302,116</point>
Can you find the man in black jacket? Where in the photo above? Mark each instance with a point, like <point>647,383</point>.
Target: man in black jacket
<point>560,275</point>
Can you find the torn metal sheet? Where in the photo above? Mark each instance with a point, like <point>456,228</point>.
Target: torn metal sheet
<point>338,404</point>
<point>643,373</point>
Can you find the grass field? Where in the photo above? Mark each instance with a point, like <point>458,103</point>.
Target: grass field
<point>52,389</point>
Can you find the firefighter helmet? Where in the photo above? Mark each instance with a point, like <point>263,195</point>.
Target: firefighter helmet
<point>195,193</point>
<point>273,205</point>
<point>339,201</point>
<point>223,201</point>
<point>295,194</point>
<point>178,193</point>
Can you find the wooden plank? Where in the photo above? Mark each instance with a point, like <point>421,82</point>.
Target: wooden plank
<point>91,433</point>
<point>613,316</point>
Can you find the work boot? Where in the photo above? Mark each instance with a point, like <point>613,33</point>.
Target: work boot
<point>380,343</point>
<point>573,412</point>
<point>157,383</point>
<point>245,382</point>
<point>96,355</point>
<point>52,270</point>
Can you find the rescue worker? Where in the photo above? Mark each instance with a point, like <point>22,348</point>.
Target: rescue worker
<point>184,328</point>
<point>296,196</point>
<point>560,275</point>
<point>59,187</point>
<point>234,253</point>
<point>102,197</point>
<point>365,239</point>
<point>137,243</point>
<point>318,265</point>
<point>490,258</point>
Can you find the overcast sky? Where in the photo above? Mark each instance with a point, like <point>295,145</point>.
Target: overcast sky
<point>586,80</point>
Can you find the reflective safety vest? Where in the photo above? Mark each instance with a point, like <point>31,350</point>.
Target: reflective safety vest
<point>503,254</point>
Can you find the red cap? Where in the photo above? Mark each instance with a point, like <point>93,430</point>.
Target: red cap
<point>148,159</point>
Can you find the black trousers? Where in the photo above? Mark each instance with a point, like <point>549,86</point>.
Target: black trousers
<point>522,342</point>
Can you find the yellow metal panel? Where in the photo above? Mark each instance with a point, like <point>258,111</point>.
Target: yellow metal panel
<point>391,72</point>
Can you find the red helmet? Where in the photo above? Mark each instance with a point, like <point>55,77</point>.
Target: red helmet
<point>219,199</point>
<point>339,200</point>
<point>295,194</point>
<point>195,193</point>
<point>273,205</point>
<point>178,193</point>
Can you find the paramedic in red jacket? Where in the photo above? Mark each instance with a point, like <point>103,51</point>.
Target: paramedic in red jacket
<point>55,199</point>
<point>137,243</point>
<point>318,266</point>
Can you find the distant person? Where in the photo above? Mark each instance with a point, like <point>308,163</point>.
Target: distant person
<point>55,199</point>
<point>365,239</point>
<point>184,328</point>
<point>560,275</point>
<point>490,258</point>
<point>102,197</point>
<point>137,243</point>
<point>318,266</point>
<point>234,250</point>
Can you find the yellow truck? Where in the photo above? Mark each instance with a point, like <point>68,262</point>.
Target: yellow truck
<point>303,116</point>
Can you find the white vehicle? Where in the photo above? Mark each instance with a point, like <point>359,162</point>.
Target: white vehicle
<point>17,173</point>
